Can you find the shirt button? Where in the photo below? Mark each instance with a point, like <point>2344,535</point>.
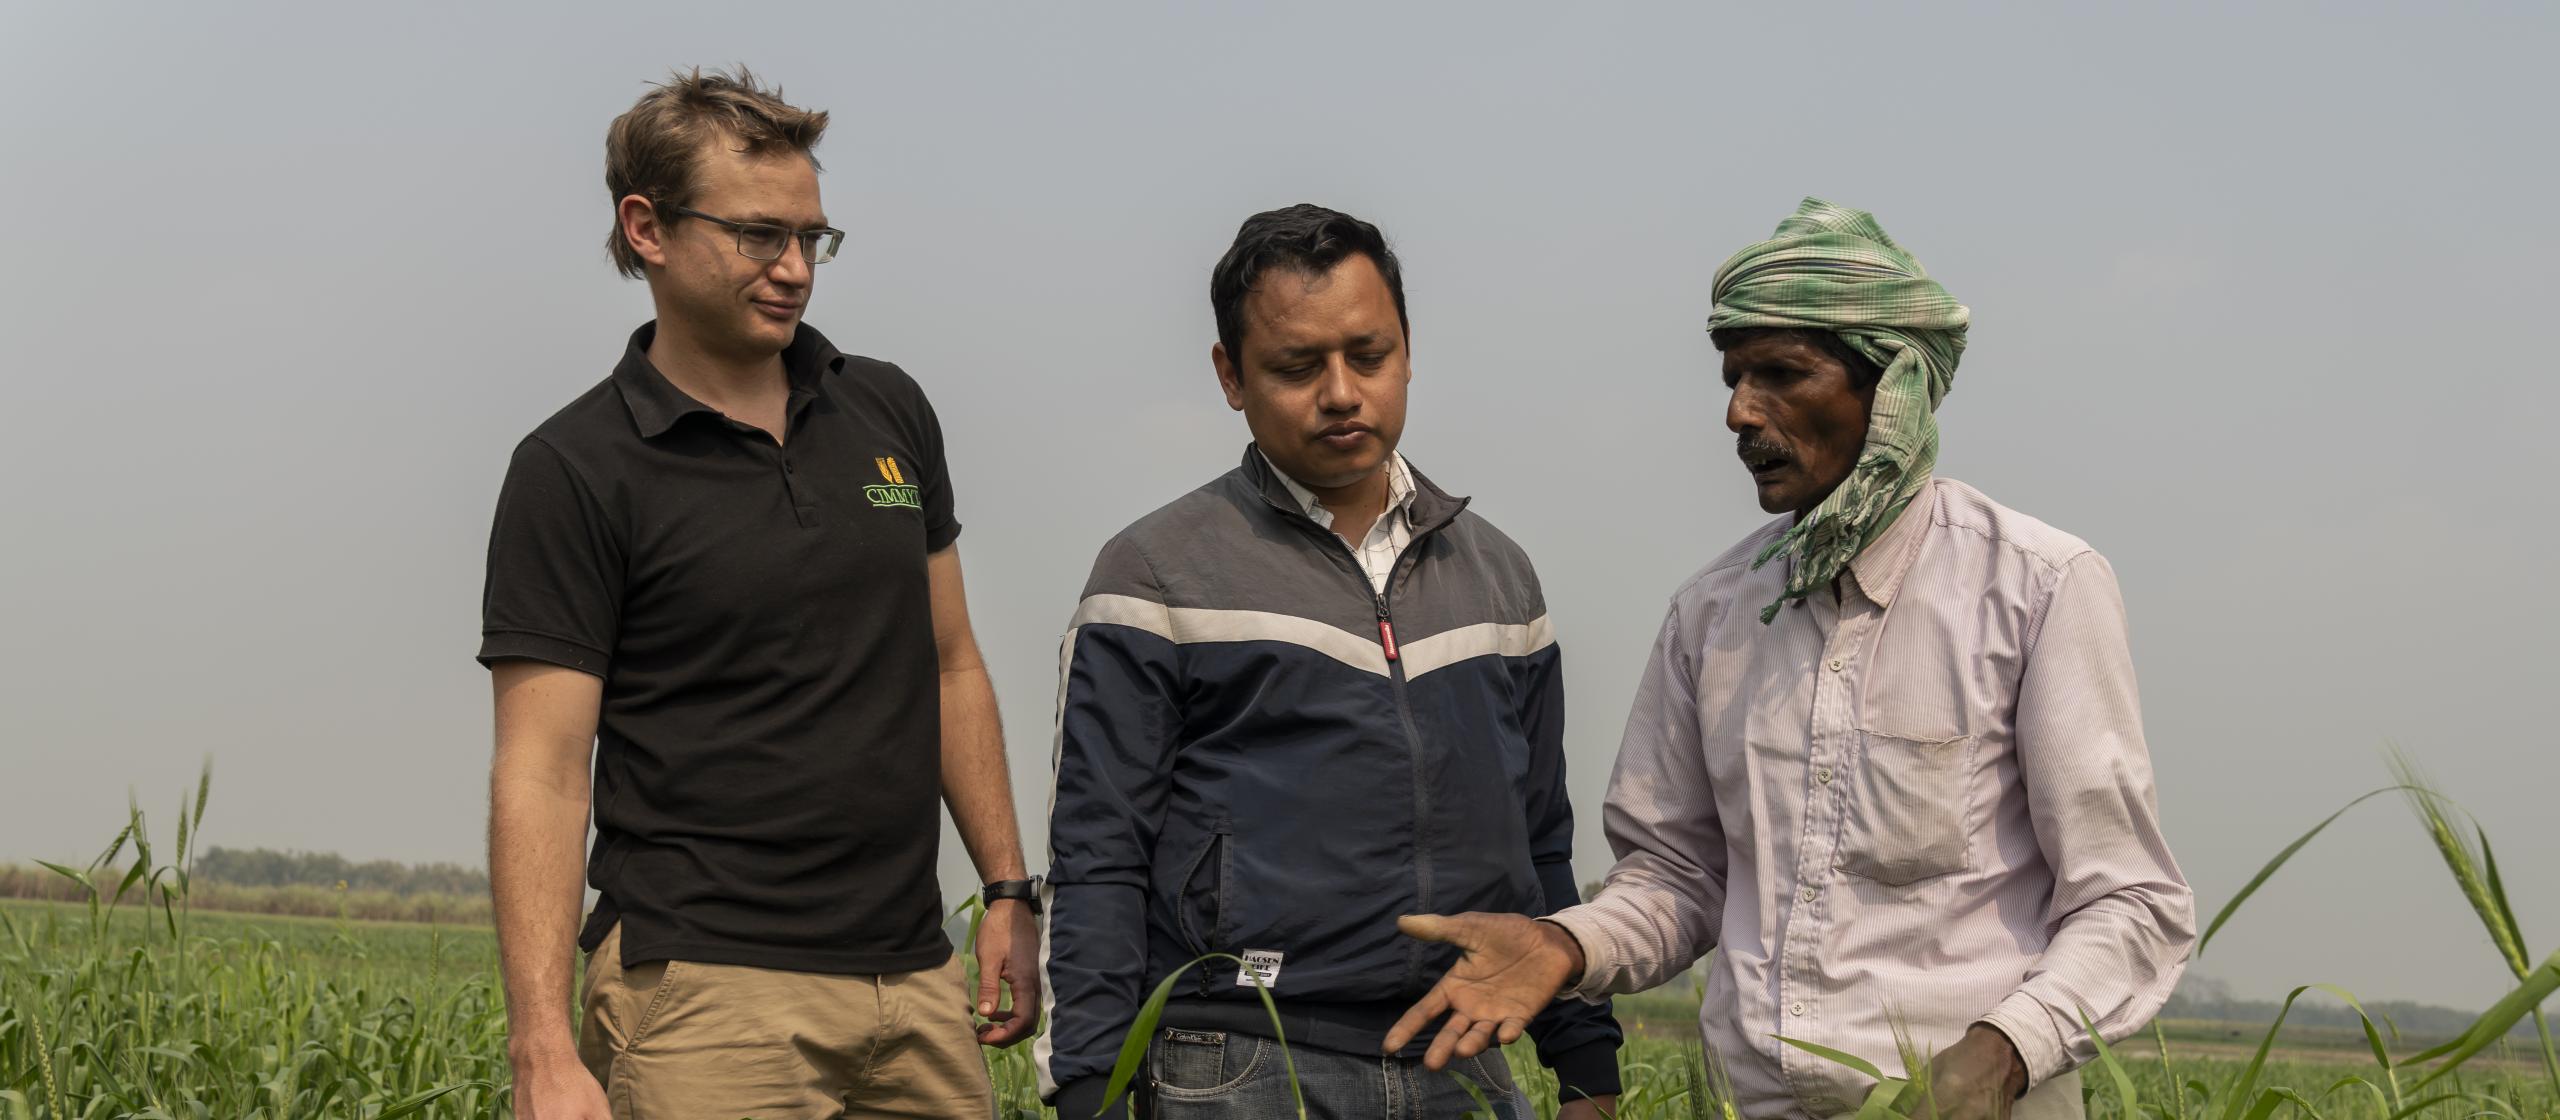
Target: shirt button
<point>1809,894</point>
<point>1796,1008</point>
<point>1836,663</point>
<point>1823,775</point>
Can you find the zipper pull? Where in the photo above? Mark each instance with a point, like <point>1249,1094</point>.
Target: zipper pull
<point>1386,632</point>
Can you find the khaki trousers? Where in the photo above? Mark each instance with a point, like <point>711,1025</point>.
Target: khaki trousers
<point>681,1040</point>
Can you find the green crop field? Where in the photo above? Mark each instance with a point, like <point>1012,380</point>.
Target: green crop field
<point>133,1004</point>
<point>257,1016</point>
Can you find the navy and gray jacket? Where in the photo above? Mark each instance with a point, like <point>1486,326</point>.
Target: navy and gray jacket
<point>1259,755</point>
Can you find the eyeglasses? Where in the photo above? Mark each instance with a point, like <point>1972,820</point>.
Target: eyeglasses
<point>764,242</point>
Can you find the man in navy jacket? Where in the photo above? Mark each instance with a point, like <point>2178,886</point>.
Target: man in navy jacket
<point>1305,698</point>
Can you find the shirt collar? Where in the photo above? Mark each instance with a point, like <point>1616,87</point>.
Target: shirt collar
<point>656,404</point>
<point>1400,490</point>
<point>1879,567</point>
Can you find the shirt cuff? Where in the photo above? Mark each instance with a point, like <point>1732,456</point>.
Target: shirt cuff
<point>1598,963</point>
<point>1082,1099</point>
<point>2030,1028</point>
<point>506,645</point>
<point>1590,1069</point>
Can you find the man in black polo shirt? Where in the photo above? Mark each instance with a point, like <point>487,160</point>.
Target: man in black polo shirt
<point>729,568</point>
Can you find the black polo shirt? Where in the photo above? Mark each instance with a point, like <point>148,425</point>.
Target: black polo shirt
<point>768,756</point>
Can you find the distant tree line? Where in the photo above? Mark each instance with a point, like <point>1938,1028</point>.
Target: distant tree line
<point>2210,998</point>
<point>266,867</point>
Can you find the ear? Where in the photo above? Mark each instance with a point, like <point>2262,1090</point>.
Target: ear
<point>641,228</point>
<point>1230,378</point>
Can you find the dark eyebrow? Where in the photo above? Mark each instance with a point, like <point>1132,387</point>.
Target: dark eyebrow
<point>1355,342</point>
<point>786,223</point>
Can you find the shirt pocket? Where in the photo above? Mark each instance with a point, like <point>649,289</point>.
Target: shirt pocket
<point>1905,810</point>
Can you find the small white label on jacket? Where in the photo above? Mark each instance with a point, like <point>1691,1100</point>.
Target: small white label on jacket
<point>1259,963</point>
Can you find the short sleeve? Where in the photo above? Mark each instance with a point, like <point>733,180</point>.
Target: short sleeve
<point>941,522</point>
<point>554,590</point>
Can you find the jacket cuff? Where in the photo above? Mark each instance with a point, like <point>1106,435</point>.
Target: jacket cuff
<point>1082,1099</point>
<point>1589,1069</point>
<point>2030,1028</point>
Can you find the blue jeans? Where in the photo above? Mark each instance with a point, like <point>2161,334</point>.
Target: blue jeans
<point>1214,1075</point>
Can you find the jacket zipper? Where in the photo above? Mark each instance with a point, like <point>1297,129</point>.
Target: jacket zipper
<point>1378,600</point>
<point>1422,838</point>
<point>1341,550</point>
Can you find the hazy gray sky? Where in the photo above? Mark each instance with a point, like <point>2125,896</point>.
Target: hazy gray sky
<point>2255,296</point>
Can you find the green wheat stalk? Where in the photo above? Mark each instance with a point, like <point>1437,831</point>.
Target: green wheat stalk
<point>2475,872</point>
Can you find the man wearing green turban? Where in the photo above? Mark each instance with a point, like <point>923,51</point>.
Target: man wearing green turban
<point>1887,758</point>
<point>1832,278</point>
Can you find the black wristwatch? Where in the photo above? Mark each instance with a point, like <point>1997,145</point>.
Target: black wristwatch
<point>1025,891</point>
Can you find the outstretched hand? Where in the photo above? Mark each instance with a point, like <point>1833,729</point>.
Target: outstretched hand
<point>1509,969</point>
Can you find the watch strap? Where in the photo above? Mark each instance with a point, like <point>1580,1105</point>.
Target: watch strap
<point>1025,891</point>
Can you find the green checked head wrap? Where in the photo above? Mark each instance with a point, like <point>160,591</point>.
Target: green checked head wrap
<point>1831,268</point>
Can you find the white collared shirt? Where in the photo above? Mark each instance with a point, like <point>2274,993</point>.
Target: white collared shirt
<point>1388,535</point>
<point>1925,796</point>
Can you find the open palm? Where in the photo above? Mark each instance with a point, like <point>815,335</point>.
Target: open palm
<point>1509,969</point>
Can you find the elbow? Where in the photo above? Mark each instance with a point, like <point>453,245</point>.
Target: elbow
<point>2156,921</point>
<point>2176,912</point>
<point>525,775</point>
<point>2171,904</point>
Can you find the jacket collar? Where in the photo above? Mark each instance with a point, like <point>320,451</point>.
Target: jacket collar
<point>1432,508</point>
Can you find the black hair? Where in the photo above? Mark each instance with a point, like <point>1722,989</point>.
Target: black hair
<point>1305,239</point>
<point>1863,372</point>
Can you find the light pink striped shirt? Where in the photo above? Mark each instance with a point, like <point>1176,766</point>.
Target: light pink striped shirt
<point>1925,795</point>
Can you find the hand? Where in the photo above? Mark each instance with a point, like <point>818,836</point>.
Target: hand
<point>1978,1078</point>
<point>1008,951</point>
<point>558,1088</point>
<point>1509,970</point>
<point>1588,1108</point>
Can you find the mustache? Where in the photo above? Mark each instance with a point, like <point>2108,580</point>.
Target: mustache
<point>1749,448</point>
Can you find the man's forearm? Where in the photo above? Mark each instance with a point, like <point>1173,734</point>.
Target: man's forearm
<point>1662,905</point>
<point>975,781</point>
<point>537,859</point>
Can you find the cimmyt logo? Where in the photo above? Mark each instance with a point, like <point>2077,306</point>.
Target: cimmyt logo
<point>898,494</point>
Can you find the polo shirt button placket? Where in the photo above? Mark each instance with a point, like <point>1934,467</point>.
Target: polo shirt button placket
<point>801,508</point>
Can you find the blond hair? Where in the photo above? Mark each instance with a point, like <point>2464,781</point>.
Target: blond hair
<point>655,149</point>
